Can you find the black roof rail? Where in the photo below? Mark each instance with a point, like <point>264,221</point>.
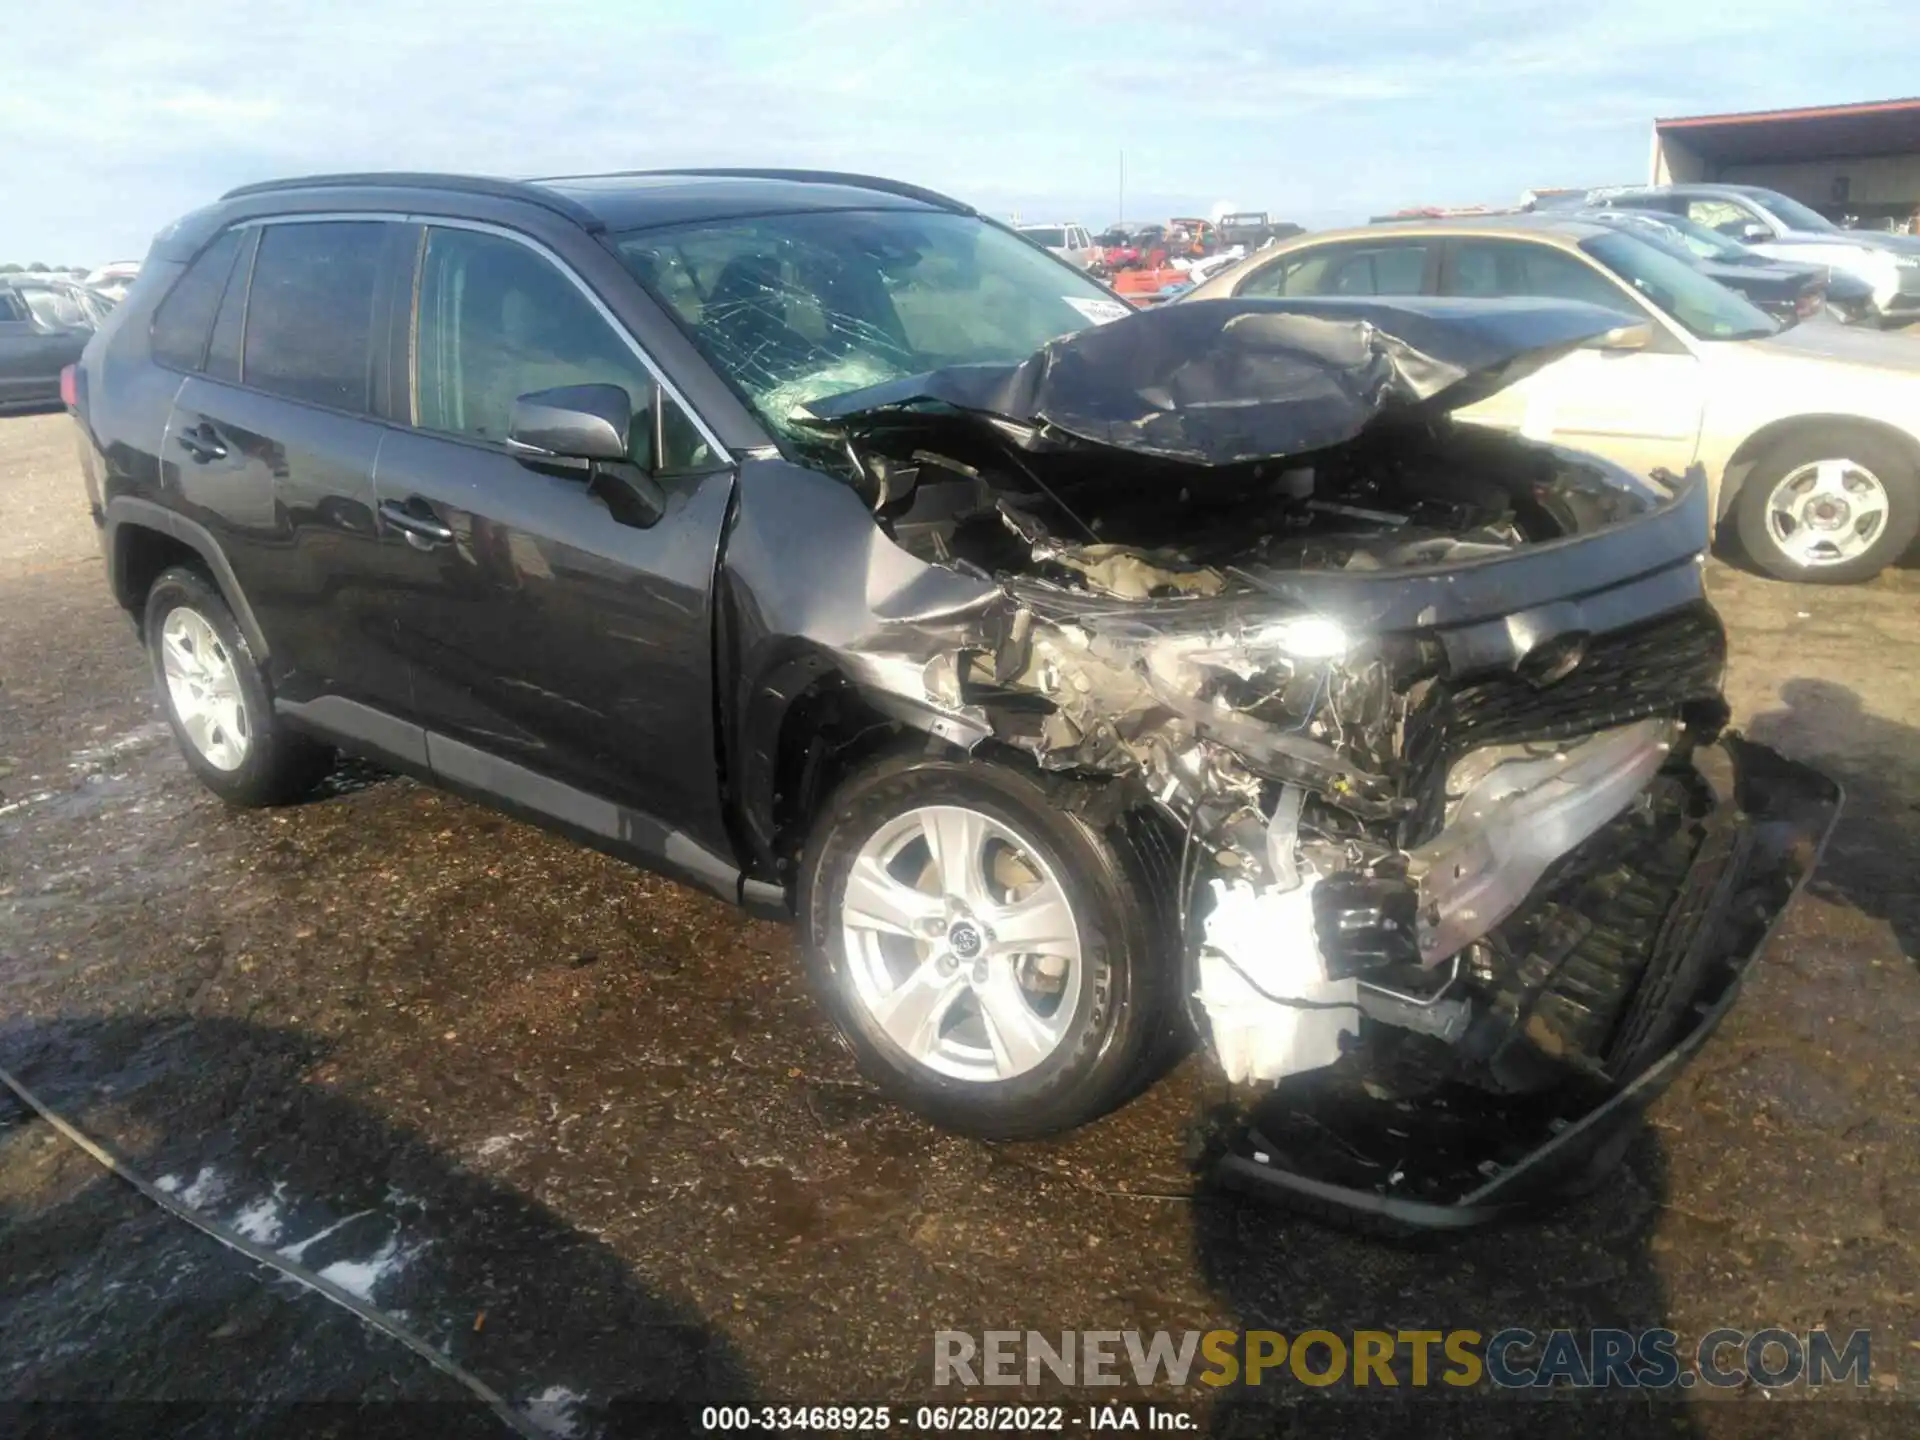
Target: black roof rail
<point>521,190</point>
<point>811,177</point>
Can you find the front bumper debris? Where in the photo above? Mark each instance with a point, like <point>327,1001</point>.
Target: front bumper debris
<point>1454,1157</point>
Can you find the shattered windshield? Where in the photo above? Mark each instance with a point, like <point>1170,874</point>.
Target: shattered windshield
<point>791,308</point>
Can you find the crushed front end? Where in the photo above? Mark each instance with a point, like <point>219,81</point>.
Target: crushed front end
<point>1423,723</point>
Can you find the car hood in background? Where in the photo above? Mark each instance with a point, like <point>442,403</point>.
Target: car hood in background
<point>1225,382</point>
<point>1843,345</point>
<point>1771,277</point>
<point>1864,239</point>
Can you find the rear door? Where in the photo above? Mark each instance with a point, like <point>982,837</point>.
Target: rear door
<point>562,659</point>
<point>1639,408</point>
<point>271,446</point>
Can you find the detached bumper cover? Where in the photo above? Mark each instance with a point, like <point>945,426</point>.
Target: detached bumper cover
<point>1457,1158</point>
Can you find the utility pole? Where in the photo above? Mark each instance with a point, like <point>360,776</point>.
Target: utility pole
<point>1121,214</point>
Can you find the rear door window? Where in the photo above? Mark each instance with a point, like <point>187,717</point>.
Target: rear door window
<point>1398,268</point>
<point>309,318</point>
<point>185,317</point>
<point>13,310</point>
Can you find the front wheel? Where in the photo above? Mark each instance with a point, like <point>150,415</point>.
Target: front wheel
<point>982,948</point>
<point>1829,506</point>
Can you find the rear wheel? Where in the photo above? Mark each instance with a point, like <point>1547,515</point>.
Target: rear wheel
<point>216,699</point>
<point>980,946</point>
<point>1829,506</point>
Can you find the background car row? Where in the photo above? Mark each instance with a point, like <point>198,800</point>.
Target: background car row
<point>1809,432</point>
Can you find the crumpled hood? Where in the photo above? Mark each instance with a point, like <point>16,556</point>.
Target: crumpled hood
<point>1224,382</point>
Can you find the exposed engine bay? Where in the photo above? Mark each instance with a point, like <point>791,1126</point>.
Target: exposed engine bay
<point>1414,705</point>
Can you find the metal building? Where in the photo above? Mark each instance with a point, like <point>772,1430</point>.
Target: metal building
<point>1843,160</point>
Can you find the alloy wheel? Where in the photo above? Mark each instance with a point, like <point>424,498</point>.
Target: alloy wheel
<point>1826,512</point>
<point>204,689</point>
<point>961,943</point>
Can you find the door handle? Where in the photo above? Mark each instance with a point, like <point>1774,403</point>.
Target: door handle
<point>203,443</point>
<point>422,530</point>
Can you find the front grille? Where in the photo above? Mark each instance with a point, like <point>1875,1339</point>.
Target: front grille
<point>1671,665</point>
<point>1656,668</point>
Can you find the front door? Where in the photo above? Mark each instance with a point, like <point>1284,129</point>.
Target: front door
<point>1640,409</point>
<point>562,659</point>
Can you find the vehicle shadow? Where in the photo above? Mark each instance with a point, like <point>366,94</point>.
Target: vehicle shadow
<point>105,1297</point>
<point>1586,1265</point>
<point>1873,859</point>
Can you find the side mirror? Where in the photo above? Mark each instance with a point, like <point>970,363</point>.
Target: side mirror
<point>1635,335</point>
<point>586,429</point>
<point>1753,233</point>
<point>574,422</point>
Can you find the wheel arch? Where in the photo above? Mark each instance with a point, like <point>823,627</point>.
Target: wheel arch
<point>807,724</point>
<point>144,539</point>
<point>1750,450</point>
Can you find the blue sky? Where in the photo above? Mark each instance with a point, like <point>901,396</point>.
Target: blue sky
<point>117,115</point>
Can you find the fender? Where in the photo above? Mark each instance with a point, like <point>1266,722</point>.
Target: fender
<point>146,515</point>
<point>809,590</point>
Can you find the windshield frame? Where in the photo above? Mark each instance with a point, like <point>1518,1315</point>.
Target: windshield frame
<point>1606,252</point>
<point>1077,289</point>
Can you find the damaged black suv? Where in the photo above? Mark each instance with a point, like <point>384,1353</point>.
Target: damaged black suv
<point>1080,679</point>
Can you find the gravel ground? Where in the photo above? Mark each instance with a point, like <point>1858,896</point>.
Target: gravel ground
<point>585,1130</point>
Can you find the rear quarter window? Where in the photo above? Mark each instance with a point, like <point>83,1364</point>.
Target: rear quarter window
<point>185,317</point>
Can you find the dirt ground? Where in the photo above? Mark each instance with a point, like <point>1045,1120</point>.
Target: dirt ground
<point>586,1131</point>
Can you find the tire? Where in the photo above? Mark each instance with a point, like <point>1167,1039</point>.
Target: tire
<point>968,1073</point>
<point>234,742</point>
<point>1869,460</point>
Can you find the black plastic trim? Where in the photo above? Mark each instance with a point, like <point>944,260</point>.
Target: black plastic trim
<point>623,832</point>
<point>146,515</point>
<point>497,189</point>
<point>358,726</point>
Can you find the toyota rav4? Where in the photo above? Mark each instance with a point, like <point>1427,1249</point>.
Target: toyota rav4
<point>1080,681</point>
